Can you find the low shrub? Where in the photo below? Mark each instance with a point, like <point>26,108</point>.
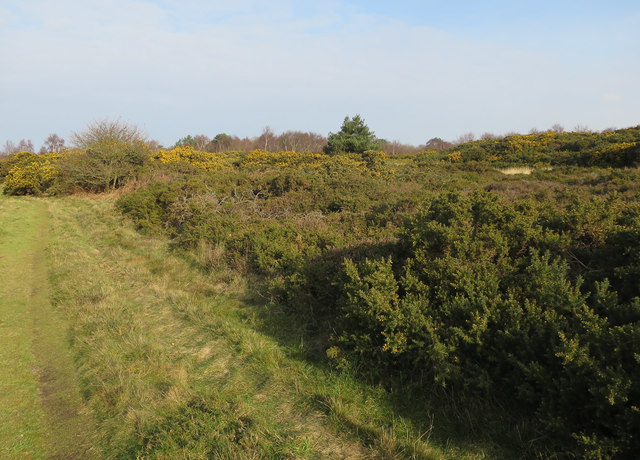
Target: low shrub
<point>480,304</point>
<point>104,165</point>
<point>27,173</point>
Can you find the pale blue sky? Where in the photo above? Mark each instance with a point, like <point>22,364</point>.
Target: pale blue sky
<point>413,69</point>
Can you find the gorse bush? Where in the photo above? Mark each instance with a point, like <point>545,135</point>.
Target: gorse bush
<point>32,179</point>
<point>26,173</point>
<point>105,165</point>
<point>16,160</point>
<point>612,148</point>
<point>622,154</point>
<point>481,304</point>
<point>203,160</point>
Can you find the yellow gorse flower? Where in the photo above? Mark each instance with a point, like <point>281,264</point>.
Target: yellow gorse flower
<point>209,161</point>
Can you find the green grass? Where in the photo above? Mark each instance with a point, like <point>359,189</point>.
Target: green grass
<point>173,363</point>
<point>21,414</point>
<point>41,413</point>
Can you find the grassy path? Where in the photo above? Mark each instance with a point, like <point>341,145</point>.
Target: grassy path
<point>41,412</point>
<point>170,362</point>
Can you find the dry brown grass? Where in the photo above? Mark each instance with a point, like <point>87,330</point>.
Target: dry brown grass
<point>513,170</point>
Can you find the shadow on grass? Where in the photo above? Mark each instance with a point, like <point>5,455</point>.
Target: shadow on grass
<point>303,317</point>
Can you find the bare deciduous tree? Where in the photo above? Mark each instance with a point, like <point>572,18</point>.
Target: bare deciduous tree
<point>436,143</point>
<point>107,130</point>
<point>301,142</point>
<point>25,145</point>
<point>200,142</point>
<point>53,143</point>
<point>111,153</point>
<point>580,128</point>
<point>467,137</point>
<point>267,138</point>
<point>9,148</point>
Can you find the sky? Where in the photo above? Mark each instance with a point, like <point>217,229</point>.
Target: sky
<point>413,70</point>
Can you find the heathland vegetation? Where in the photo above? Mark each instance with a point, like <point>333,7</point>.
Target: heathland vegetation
<point>429,304</point>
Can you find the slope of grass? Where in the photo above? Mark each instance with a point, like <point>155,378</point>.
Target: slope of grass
<point>173,365</point>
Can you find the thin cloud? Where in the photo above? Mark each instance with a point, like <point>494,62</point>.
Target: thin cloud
<point>189,67</point>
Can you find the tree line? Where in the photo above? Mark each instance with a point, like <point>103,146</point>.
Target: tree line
<point>268,140</point>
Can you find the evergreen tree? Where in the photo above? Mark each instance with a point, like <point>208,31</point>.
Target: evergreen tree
<point>186,141</point>
<point>354,137</point>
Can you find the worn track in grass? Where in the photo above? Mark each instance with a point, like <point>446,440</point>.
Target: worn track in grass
<point>41,411</point>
